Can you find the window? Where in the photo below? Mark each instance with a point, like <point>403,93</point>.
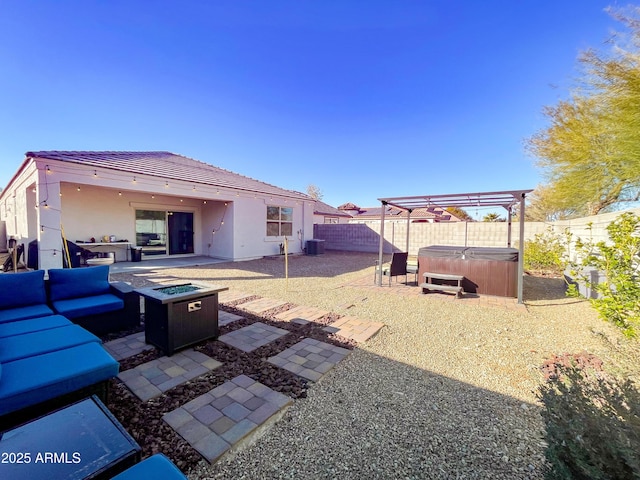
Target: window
<point>330,220</point>
<point>279,221</point>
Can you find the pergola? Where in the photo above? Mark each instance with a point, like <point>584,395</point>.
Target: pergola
<point>507,199</point>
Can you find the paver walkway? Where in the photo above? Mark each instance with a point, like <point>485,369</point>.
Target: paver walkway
<point>128,346</point>
<point>229,296</point>
<point>261,305</point>
<point>225,318</point>
<point>309,358</point>
<point>354,328</point>
<point>213,422</point>
<point>220,419</point>
<point>252,336</point>
<point>302,314</point>
<point>157,376</point>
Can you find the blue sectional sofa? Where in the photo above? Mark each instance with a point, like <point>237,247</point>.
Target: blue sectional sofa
<point>9,329</point>
<point>83,295</point>
<point>46,359</point>
<point>155,467</point>
<point>87,298</point>
<point>23,296</point>
<point>31,344</point>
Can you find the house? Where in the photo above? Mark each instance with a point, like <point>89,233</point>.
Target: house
<point>324,213</point>
<point>162,203</point>
<point>393,214</point>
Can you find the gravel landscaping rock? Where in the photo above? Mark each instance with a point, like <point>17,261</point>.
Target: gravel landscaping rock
<point>447,389</point>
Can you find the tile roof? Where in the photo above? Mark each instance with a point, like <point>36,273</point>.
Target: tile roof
<point>436,214</point>
<point>167,165</point>
<point>322,208</point>
<point>348,206</point>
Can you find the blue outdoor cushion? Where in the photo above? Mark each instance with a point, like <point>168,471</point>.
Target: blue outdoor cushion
<point>153,468</point>
<point>36,379</point>
<point>23,313</point>
<point>9,329</point>
<point>37,343</point>
<point>22,289</point>
<point>81,307</point>
<point>68,283</point>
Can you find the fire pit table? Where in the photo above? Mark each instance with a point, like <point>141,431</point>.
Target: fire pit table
<point>177,316</point>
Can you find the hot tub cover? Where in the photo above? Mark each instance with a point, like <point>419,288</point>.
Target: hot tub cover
<point>441,251</point>
<point>470,253</point>
<point>492,253</point>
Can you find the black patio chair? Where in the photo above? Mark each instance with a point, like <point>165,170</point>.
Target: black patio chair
<point>397,267</point>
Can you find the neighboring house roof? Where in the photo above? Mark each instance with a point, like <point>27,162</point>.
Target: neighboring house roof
<point>166,165</point>
<point>348,206</point>
<point>435,214</point>
<point>322,208</point>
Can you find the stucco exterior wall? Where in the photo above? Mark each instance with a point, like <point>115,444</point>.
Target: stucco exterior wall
<point>15,202</point>
<point>250,227</point>
<point>87,203</point>
<point>96,212</point>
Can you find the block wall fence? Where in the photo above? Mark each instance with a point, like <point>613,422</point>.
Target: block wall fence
<point>365,237</point>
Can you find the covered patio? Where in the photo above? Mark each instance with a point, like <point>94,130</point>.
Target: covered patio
<point>513,201</point>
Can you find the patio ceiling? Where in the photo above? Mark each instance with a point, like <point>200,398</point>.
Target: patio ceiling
<point>506,199</point>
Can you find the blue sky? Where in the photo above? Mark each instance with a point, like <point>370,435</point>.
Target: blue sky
<point>364,99</point>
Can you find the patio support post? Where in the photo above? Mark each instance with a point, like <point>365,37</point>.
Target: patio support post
<point>521,254</point>
<point>408,224</point>
<point>380,253</point>
<point>509,227</point>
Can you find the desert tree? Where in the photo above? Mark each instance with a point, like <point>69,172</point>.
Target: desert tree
<point>314,192</point>
<point>590,151</point>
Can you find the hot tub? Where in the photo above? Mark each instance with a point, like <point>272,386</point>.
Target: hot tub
<point>487,270</point>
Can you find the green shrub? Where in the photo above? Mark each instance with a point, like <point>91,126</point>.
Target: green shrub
<point>592,421</point>
<point>619,260</point>
<point>545,253</point>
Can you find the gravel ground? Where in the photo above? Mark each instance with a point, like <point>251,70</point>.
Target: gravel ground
<point>445,390</point>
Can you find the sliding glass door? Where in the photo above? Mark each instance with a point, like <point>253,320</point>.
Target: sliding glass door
<point>151,231</point>
<point>159,232</point>
<point>180,232</point>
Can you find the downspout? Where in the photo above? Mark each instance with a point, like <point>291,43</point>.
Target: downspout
<point>302,230</point>
<point>380,253</point>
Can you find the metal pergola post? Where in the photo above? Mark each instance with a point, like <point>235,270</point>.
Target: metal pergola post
<point>521,253</point>
<point>408,224</point>
<point>381,252</point>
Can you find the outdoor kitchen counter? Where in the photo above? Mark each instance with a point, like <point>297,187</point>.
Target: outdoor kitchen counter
<point>177,316</point>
